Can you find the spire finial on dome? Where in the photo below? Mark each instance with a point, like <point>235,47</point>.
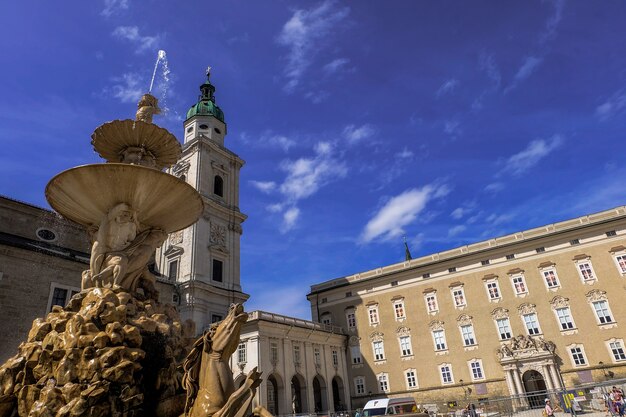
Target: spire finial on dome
<point>208,71</point>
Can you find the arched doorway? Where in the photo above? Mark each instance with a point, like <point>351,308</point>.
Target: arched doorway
<point>319,394</point>
<point>298,395</point>
<point>274,394</point>
<point>535,388</point>
<point>338,399</point>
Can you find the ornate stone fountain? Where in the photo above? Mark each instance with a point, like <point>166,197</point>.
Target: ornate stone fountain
<point>114,350</point>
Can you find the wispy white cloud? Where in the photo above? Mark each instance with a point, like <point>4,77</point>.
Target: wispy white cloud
<point>355,134</point>
<point>264,186</point>
<point>530,64</point>
<point>400,211</point>
<point>305,176</point>
<point>498,219</point>
<point>494,187</point>
<point>127,88</point>
<point>553,21</point>
<point>458,213</point>
<point>131,34</point>
<point>535,151</point>
<point>456,230</point>
<point>404,154</point>
<point>302,34</point>
<point>612,106</point>
<point>451,127</point>
<point>447,87</point>
<point>487,64</point>
<point>335,65</point>
<point>290,217</point>
<point>112,7</point>
<point>317,96</point>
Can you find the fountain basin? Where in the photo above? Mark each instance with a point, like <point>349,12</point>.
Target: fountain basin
<point>112,138</point>
<point>86,193</point>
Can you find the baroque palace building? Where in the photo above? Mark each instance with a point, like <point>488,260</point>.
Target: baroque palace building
<point>535,310</point>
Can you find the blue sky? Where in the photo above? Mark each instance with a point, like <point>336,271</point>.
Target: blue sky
<point>360,122</point>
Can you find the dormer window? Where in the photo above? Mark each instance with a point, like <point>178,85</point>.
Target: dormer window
<point>203,127</point>
<point>218,186</point>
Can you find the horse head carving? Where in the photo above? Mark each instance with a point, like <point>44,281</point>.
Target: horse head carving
<point>208,378</point>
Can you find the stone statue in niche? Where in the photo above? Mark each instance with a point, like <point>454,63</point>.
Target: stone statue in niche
<point>119,255</point>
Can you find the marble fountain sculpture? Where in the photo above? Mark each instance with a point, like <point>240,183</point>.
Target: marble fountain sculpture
<point>114,349</point>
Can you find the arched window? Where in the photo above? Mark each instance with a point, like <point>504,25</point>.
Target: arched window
<point>218,186</point>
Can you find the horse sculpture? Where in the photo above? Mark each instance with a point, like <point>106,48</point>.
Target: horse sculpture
<point>208,378</point>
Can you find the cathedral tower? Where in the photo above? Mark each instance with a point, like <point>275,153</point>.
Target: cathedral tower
<point>203,260</point>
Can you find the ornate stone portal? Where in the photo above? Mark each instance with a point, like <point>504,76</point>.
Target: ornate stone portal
<point>527,354</point>
<point>114,350</point>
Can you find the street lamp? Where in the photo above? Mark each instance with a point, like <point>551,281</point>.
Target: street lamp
<point>607,374</point>
<point>466,391</point>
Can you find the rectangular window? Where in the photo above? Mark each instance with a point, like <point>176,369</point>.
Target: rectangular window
<point>541,249</point>
<point>617,349</point>
<point>355,352</point>
<point>621,263</point>
<point>394,283</point>
<point>326,319</point>
<point>453,269</point>
<point>574,242</point>
<point>611,233</point>
<point>431,303</point>
<point>373,315</point>
<point>532,325</point>
<point>446,374</point>
<point>172,270</point>
<point>510,256</point>
<point>439,337</point>
<point>493,290</point>
<point>602,311</point>
<point>504,328</point>
<point>348,294</point>
<point>577,356</point>
<point>468,335</point>
<point>485,262</point>
<point>296,354</point>
<point>398,308</point>
<point>216,318</point>
<point>274,352</point>
<point>405,346</point>
<point>459,297</point>
<point>565,318</point>
<point>59,297</point>
<point>317,356</point>
<point>379,350</point>
<point>351,319</point>
<point>411,379</point>
<point>324,300</point>
<point>335,358</point>
<point>241,353</point>
<point>217,270</point>
<point>477,370</point>
<point>519,284</point>
<point>585,271</point>
<point>383,383</point>
<point>359,385</point>
<point>550,277</point>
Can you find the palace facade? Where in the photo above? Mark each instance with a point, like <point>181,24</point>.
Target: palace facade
<point>534,310</point>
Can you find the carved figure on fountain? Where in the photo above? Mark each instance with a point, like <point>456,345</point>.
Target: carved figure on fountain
<point>147,108</point>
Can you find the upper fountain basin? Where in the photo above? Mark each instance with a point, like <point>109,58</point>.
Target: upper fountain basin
<point>112,139</point>
<point>86,193</point>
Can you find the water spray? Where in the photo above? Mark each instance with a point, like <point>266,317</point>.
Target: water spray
<point>160,56</point>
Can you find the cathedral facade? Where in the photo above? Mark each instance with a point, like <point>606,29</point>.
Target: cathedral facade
<point>536,310</point>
